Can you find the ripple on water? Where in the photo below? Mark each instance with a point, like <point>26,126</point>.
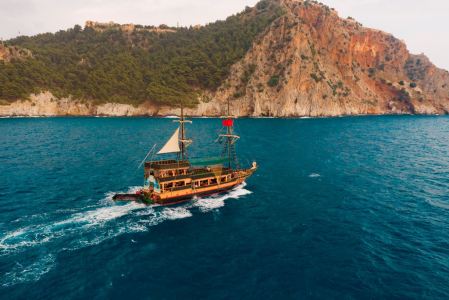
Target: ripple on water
<point>28,273</point>
<point>92,226</point>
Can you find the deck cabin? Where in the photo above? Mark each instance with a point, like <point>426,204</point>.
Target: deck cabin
<point>172,181</point>
<point>174,175</point>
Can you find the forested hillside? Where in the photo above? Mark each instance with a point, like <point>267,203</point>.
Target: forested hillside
<point>282,58</point>
<point>113,65</point>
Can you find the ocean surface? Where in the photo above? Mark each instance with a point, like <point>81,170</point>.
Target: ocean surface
<point>340,208</point>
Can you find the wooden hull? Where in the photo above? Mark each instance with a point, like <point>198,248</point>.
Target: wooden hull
<point>128,197</point>
<point>184,194</point>
<point>173,197</point>
<point>187,196</point>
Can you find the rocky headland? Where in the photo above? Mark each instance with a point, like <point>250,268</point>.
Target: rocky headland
<point>307,62</point>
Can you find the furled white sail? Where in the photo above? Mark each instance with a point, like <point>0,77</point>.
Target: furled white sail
<point>172,144</point>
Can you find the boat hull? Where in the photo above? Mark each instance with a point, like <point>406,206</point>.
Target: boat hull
<point>128,197</point>
<point>193,194</point>
<point>183,195</point>
<point>171,200</point>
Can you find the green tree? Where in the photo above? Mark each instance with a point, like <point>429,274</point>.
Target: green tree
<point>132,67</point>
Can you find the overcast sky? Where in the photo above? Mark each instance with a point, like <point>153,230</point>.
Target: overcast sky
<point>423,25</point>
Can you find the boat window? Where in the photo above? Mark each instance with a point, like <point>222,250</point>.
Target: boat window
<point>213,181</point>
<point>180,183</point>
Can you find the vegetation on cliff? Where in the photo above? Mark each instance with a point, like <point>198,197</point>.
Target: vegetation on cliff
<point>133,66</point>
<point>312,62</point>
<point>281,58</point>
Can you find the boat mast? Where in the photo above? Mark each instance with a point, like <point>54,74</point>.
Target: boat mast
<point>182,132</point>
<point>229,134</point>
<point>229,150</point>
<point>183,142</point>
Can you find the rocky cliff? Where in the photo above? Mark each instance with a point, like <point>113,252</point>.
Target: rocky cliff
<point>308,62</point>
<point>318,64</point>
<point>46,104</point>
<point>8,53</point>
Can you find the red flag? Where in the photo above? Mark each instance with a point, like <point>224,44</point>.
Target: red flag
<point>228,122</point>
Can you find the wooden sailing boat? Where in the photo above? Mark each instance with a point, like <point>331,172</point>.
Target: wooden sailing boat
<point>177,180</point>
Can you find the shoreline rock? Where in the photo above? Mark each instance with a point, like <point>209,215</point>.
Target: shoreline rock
<point>308,63</point>
<point>46,105</point>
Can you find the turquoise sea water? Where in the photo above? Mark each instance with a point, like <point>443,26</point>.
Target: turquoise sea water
<point>344,208</point>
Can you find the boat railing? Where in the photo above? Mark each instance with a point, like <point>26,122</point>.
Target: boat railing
<point>180,188</point>
<point>173,178</point>
<point>167,164</point>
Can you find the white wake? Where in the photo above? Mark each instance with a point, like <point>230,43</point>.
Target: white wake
<point>213,202</point>
<point>92,226</point>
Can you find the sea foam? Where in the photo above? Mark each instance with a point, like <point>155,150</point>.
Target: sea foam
<point>92,226</point>
<point>88,220</point>
<point>28,273</point>
<point>213,202</point>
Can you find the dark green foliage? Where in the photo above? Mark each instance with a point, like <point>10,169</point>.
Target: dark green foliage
<point>238,94</point>
<point>249,70</point>
<point>415,69</point>
<point>131,67</point>
<point>246,76</point>
<point>403,95</point>
<point>339,88</point>
<point>401,82</point>
<point>313,50</point>
<point>315,77</point>
<point>412,85</point>
<point>263,4</point>
<point>274,81</point>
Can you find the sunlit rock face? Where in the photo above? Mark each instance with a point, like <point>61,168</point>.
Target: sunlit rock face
<point>311,62</point>
<point>308,62</point>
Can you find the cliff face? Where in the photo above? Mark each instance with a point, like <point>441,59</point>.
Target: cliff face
<point>309,62</point>
<point>7,53</point>
<point>317,64</point>
<point>46,104</point>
